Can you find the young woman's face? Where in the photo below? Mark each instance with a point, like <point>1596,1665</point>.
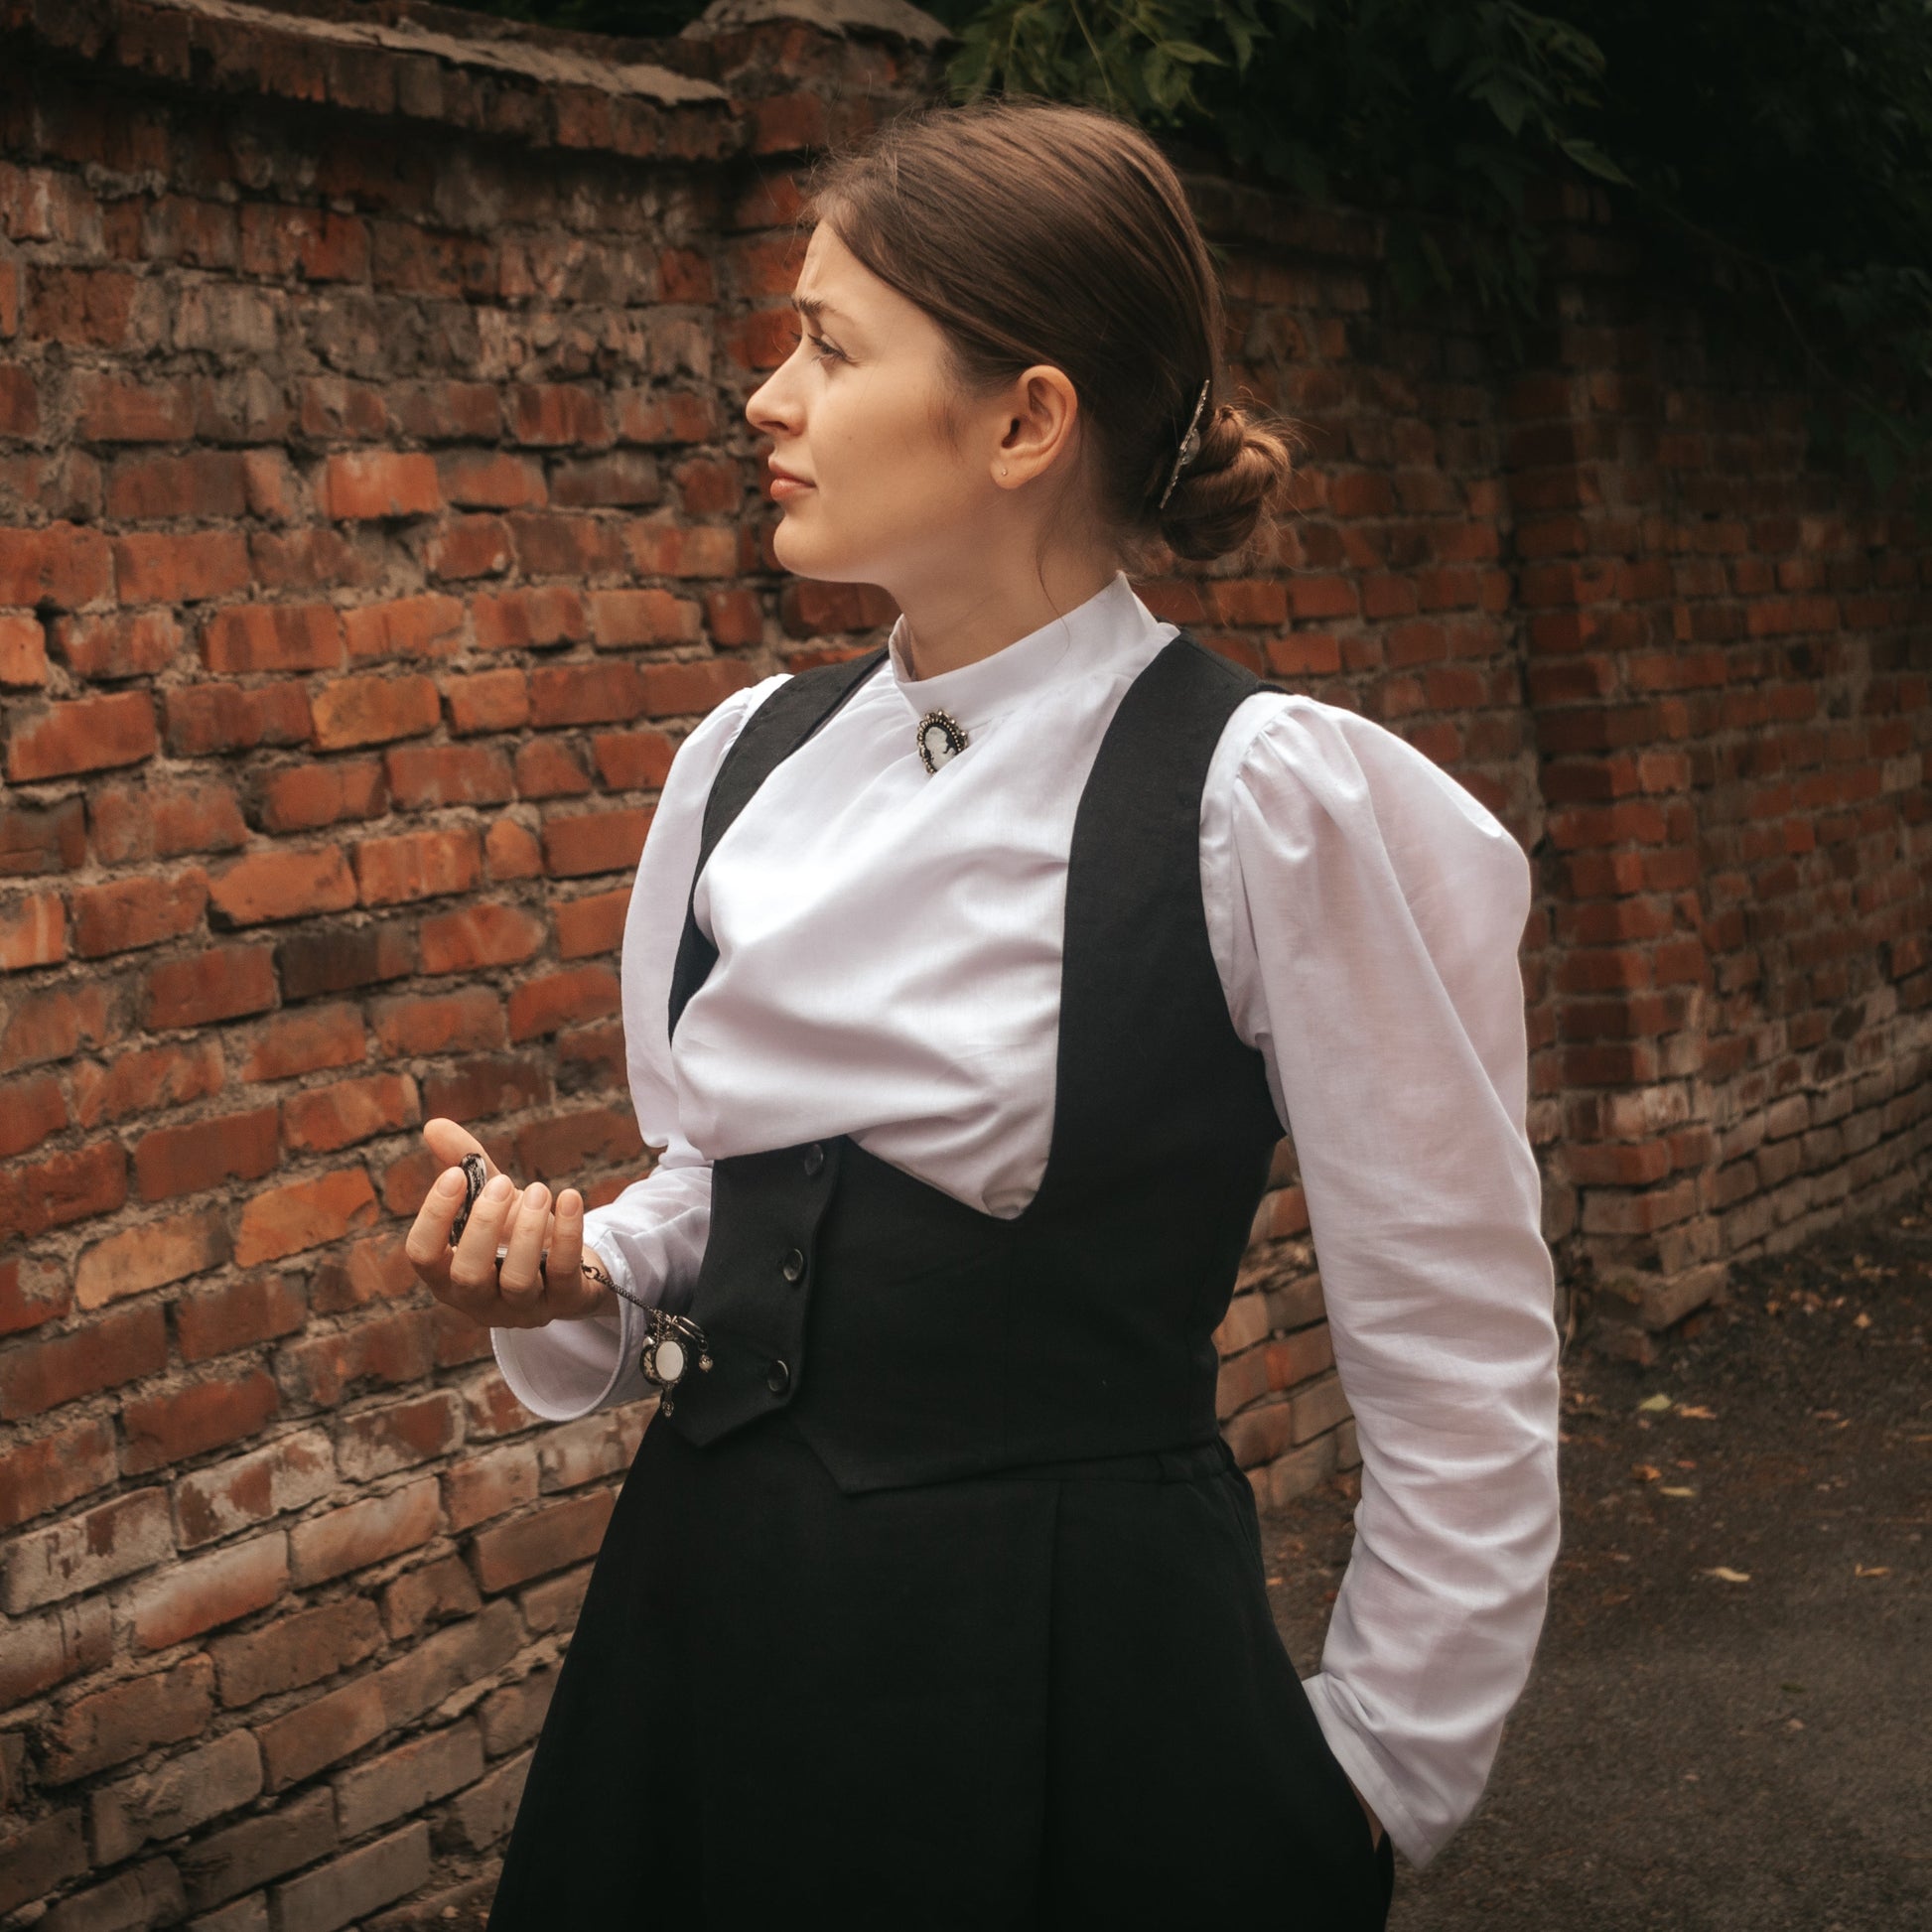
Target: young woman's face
<point>872,483</point>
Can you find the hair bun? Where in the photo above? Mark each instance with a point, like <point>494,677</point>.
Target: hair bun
<point>1238,478</point>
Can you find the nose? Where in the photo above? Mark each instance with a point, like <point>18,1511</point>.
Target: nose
<point>770,409</point>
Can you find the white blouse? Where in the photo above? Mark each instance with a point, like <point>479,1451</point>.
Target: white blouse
<point>889,968</point>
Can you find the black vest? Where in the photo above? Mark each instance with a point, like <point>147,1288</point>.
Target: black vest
<point>912,1338</point>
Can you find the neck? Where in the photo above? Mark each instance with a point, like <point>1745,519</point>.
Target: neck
<point>948,627</point>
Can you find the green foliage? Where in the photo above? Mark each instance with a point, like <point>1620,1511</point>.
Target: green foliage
<point>1784,146</point>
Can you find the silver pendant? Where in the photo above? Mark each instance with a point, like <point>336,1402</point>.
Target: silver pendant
<point>942,737</point>
<point>664,1357</point>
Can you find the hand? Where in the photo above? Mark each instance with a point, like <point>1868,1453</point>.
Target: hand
<point>466,1275</point>
<point>1374,1823</point>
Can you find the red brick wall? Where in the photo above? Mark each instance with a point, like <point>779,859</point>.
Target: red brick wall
<point>376,509</point>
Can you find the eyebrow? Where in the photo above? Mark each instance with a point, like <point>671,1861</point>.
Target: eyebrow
<point>813,309</point>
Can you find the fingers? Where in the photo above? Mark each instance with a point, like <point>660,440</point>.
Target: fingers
<point>519,1281</point>
<point>427,1242</point>
<point>570,1293</point>
<point>450,1141</point>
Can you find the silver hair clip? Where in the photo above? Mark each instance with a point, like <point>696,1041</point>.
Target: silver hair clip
<point>1189,445</point>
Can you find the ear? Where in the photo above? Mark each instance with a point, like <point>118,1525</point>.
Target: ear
<point>1042,412</point>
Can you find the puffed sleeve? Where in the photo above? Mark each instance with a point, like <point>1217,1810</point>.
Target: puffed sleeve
<point>1367,913</point>
<point>651,1238</point>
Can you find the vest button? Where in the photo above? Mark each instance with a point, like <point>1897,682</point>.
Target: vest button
<point>792,1266</point>
<point>814,1159</point>
<point>777,1378</point>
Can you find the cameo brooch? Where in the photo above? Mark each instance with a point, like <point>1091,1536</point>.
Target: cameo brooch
<point>942,737</point>
<point>666,1352</point>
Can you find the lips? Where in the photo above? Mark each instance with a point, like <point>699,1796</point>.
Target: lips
<point>779,474</point>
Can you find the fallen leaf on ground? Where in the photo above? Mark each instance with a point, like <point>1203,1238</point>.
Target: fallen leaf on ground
<point>1729,1575</point>
<point>1667,1490</point>
<point>1651,1404</point>
<point>1692,1412</point>
<point>1862,1319</point>
<point>1645,1472</point>
<point>1878,1570</point>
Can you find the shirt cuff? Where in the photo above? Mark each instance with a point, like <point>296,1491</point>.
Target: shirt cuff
<point>1360,1758</point>
<point>565,1369</point>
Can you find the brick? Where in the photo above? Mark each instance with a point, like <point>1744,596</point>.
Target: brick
<point>133,822</point>
<point>29,1111</point>
<point>549,544</point>
<point>33,932</point>
<point>513,1716</point>
<point>127,1718</point>
<point>547,768</point>
<point>296,1650</point>
<point>489,933</point>
<point>205,484</point>
<point>467,547</point>
<point>238,1316</point>
<point>417,865</point>
<point>512,851</point>
<point>451,1661</point>
<point>422,775</point>
<point>62,1189</point>
<point>355,1884</point>
<point>490,1485</point>
<point>368,484</point>
<point>53,1024</point>
<point>484,1812</point>
<point>307,1041</point>
<point>559,1146</point>
<point>42,1651</point>
<point>304,1214</point>
<point>493,1084</point>
<point>53,1469</point>
<point>59,565</point>
<point>177,567</point>
<point>380,1442</point>
<point>594,842</point>
<point>290,1472</point>
<point>489,701</point>
<point>363,1533</point>
<point>335,959</point>
<point>376,1269</point>
<point>691,690</point>
<point>19,410</point>
<point>203,720</point>
<point>186,1421</point>
<point>222,983</point>
<point>406,1779</point>
<point>23,652</point>
<point>259,1849</point>
<point>127,914</point>
<point>315,794</point>
<point>553,413</point>
<point>595,1446</point>
<point>354,711</point>
<point>248,1915</point>
<point>326,1119</point>
<point>281,884</point>
<point>584,694</point>
<point>36,1858</point>
<point>151,1256</point>
<point>622,619</point>
<point>85,735</point>
<point>592,925</point>
<point>147,1079</point>
<point>105,1353</point>
<point>35,840</point>
<point>540,1006</point>
<point>273,637</point>
<point>432,1594</point>
<point>622,479</point>
<point>122,643</point>
<point>207,1152</point>
<point>189,1598</point>
<point>412,626</point>
<point>131,1902</point>
<point>490,479</point>
<point>302,1741</point>
<point>490,1409</point>
<point>553,1604</point>
<point>545,1540</point>
<point>33,1290</point>
<point>114,409</point>
<point>393,1347</point>
<point>528,620</point>
<point>279,242</point>
<point>177,1799</point>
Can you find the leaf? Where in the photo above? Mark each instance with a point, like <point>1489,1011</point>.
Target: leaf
<point>1654,1404</point>
<point>1729,1575</point>
<point>1645,1472</point>
<point>1878,1570</point>
<point>1665,1490</point>
<point>1692,1412</point>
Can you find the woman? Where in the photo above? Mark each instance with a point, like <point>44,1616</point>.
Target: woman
<point>968,987</point>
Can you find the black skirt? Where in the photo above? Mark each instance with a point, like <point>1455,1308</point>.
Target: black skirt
<point>1051,1697</point>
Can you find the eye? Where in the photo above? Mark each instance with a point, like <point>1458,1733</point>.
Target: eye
<point>823,351</point>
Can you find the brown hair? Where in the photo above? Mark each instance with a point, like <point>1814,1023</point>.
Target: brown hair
<point>1038,231</point>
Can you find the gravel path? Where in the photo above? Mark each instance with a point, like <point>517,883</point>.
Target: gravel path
<point>1693,1751</point>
